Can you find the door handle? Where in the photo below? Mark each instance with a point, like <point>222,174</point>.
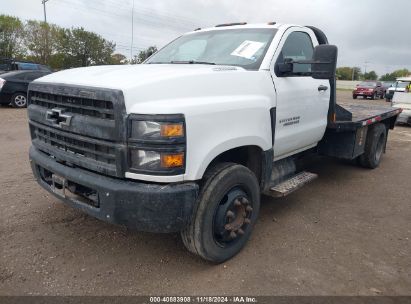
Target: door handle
<point>322,88</point>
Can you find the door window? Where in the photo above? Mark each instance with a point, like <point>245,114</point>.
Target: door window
<point>298,46</point>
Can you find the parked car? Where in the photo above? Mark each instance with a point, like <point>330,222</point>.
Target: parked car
<point>7,65</point>
<point>13,86</point>
<point>387,84</point>
<point>372,89</point>
<point>399,86</point>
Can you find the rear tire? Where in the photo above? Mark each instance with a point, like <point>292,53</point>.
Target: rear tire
<point>19,100</point>
<point>227,209</point>
<point>374,147</point>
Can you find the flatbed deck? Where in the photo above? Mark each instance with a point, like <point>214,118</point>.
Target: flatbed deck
<point>354,115</point>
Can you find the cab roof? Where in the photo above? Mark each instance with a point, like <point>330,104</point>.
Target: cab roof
<point>240,25</point>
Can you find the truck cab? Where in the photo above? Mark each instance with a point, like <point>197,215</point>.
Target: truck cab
<point>189,140</point>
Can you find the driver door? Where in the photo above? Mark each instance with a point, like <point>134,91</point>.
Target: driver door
<point>302,101</point>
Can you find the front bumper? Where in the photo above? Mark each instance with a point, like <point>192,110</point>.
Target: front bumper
<point>404,117</point>
<point>363,93</point>
<point>137,205</point>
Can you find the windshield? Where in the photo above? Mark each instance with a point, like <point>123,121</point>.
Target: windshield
<point>401,84</point>
<point>368,84</point>
<point>239,47</point>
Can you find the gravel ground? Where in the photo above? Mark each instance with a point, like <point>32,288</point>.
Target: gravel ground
<point>347,233</point>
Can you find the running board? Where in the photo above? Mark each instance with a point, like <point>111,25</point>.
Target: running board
<point>292,184</point>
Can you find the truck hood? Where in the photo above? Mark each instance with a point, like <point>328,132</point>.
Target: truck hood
<point>168,88</point>
<point>123,77</point>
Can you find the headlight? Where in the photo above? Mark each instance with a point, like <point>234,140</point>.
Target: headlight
<point>2,82</point>
<point>157,144</point>
<point>156,130</point>
<point>149,160</point>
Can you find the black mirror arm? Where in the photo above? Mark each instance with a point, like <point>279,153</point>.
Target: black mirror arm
<point>310,62</point>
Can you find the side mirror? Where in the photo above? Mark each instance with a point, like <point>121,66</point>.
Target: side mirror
<point>286,67</point>
<point>324,63</point>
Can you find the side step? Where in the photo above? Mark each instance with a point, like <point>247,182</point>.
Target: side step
<point>292,184</point>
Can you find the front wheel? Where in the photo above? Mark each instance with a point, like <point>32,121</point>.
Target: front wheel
<point>19,100</point>
<point>227,209</point>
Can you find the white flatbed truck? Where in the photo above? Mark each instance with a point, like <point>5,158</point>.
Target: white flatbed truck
<point>189,140</point>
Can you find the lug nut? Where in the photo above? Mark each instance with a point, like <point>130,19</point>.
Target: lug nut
<point>249,209</point>
<point>233,235</point>
<point>230,214</point>
<point>237,203</point>
<point>240,231</point>
<point>244,200</point>
<point>247,221</point>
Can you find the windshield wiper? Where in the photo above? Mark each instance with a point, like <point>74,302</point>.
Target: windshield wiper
<point>192,62</point>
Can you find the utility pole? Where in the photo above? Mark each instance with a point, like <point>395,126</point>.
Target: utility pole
<point>132,32</point>
<point>45,59</point>
<point>44,9</point>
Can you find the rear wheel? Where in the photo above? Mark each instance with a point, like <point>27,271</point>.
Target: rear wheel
<point>19,100</point>
<point>227,210</point>
<point>374,146</point>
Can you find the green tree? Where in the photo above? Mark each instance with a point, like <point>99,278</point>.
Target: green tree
<point>348,73</point>
<point>371,75</point>
<point>42,41</point>
<point>87,48</point>
<point>394,75</point>
<point>11,37</point>
<point>143,55</point>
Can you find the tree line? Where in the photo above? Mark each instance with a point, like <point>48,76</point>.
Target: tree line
<point>354,73</point>
<point>58,47</point>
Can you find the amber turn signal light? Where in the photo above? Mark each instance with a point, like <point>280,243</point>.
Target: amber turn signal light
<point>172,160</point>
<point>172,130</point>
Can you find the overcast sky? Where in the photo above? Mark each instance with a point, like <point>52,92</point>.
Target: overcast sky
<point>374,31</point>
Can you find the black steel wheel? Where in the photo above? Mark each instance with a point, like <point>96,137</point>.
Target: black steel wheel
<point>374,146</point>
<point>227,209</point>
<point>233,217</point>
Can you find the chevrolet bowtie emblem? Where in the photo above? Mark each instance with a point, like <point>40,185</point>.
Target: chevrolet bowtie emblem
<point>57,118</point>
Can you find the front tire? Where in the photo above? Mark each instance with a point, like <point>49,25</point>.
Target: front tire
<point>227,209</point>
<point>19,100</point>
<point>374,147</point>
